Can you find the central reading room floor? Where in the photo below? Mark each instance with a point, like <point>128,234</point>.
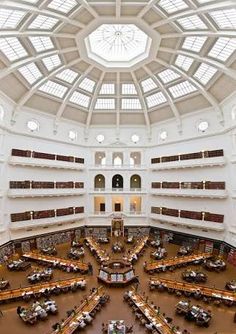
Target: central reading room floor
<point>116,309</point>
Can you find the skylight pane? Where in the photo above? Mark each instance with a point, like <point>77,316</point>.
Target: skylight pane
<point>67,75</point>
<point>12,48</point>
<point>80,99</point>
<point>182,89</point>
<point>30,72</point>
<point>105,104</point>
<point>107,89</point>
<point>41,43</point>
<point>223,48</point>
<point>204,1</point>
<point>192,23</point>
<point>172,6</point>
<point>130,104</point>
<point>51,62</point>
<point>155,99</point>
<point>183,62</point>
<point>128,89</point>
<point>54,89</point>
<point>10,18</point>
<point>31,1</point>
<point>204,73</point>
<point>87,84</point>
<point>194,43</point>
<point>63,6</point>
<point>225,18</point>
<point>168,75</point>
<point>148,85</point>
<point>43,22</point>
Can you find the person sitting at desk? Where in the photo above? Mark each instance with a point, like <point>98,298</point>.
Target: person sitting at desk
<point>87,317</point>
<point>150,326</point>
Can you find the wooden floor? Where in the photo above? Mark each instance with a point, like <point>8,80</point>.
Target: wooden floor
<point>222,322</point>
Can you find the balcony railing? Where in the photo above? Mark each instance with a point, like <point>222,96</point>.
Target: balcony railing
<point>126,213</point>
<point>121,167</point>
<point>124,190</point>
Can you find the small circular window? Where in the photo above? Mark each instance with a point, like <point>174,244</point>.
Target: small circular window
<point>100,138</point>
<point>33,125</point>
<point>203,126</point>
<point>163,135</point>
<point>135,138</point>
<point>72,135</point>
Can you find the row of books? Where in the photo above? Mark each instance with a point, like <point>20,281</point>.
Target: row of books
<point>189,156</point>
<point>48,156</point>
<point>189,185</point>
<point>196,215</point>
<point>29,215</point>
<point>45,185</point>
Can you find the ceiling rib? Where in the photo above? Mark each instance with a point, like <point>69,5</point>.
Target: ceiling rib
<point>70,92</point>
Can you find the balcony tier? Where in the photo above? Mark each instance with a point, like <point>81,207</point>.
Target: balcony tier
<point>204,193</point>
<point>16,193</point>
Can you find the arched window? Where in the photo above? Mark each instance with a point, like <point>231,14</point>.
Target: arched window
<point>117,181</point>
<point>99,181</point>
<point>117,161</point>
<point>135,182</point>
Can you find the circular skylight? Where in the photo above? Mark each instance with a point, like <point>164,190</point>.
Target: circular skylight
<point>100,138</point>
<point>163,135</point>
<point>135,138</point>
<point>118,44</point>
<point>33,125</point>
<point>72,135</point>
<point>203,126</point>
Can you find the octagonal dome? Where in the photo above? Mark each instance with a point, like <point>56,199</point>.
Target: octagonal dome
<point>118,45</point>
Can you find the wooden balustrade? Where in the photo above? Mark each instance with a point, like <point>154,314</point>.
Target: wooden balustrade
<point>214,185</point>
<point>45,185</point>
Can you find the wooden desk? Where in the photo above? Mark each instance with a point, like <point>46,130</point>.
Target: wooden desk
<point>63,263</point>
<point>227,297</point>
<point>95,247</point>
<point>160,324</point>
<point>137,248</point>
<point>175,261</point>
<point>37,289</point>
<point>69,326</point>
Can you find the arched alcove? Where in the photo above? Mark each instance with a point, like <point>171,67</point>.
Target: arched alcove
<point>135,182</point>
<point>99,182</point>
<point>117,182</point>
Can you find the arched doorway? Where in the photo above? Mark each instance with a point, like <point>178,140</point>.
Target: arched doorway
<point>117,182</point>
<point>135,182</point>
<point>99,181</point>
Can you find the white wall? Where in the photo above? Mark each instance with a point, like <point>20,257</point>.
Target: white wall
<point>218,136</point>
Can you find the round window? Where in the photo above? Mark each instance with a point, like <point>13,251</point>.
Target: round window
<point>72,135</point>
<point>100,138</point>
<point>135,138</point>
<point>33,125</point>
<point>203,126</point>
<point>163,135</point>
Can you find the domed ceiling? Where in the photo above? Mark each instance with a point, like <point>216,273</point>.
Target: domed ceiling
<point>117,62</point>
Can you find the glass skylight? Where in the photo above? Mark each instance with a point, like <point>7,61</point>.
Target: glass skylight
<point>223,48</point>
<point>155,99</point>
<point>225,19</point>
<point>87,84</point>
<point>80,99</point>
<point>130,104</point>
<point>30,72</point>
<point>148,85</point>
<point>192,23</point>
<point>63,6</point>
<point>168,75</point>
<point>182,89</point>
<point>204,1</point>
<point>107,89</point>
<point>12,48</point>
<point>204,73</point>
<point>41,43</point>
<point>128,89</point>
<point>67,75</point>
<point>171,6</point>
<point>105,104</point>
<point>184,62</point>
<point>118,44</point>
<point>194,43</point>
<point>10,18</point>
<point>51,62</point>
<point>43,22</point>
<point>54,89</point>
